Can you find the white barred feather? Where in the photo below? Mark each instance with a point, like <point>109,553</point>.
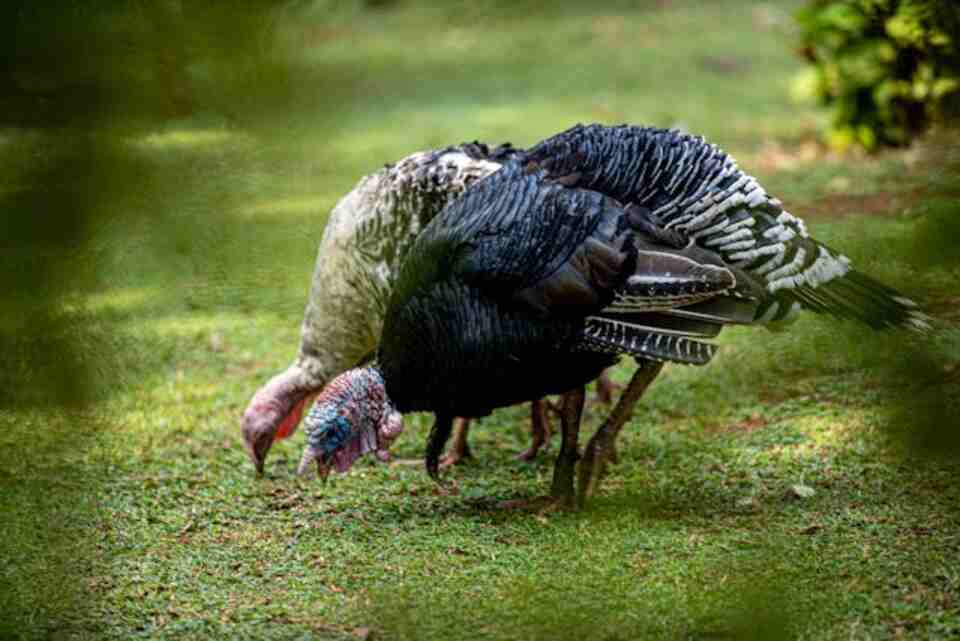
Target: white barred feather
<point>703,196</point>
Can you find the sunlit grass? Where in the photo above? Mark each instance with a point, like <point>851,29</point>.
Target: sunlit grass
<point>126,299</point>
<point>293,207</point>
<point>205,270</point>
<point>188,139</point>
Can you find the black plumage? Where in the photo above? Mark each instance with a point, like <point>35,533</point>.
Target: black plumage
<point>520,289</point>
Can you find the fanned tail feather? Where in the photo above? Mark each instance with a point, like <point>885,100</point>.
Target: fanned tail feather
<point>858,297</point>
<point>665,322</point>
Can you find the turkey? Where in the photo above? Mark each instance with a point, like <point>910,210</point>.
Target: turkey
<point>596,243</point>
<point>367,234</point>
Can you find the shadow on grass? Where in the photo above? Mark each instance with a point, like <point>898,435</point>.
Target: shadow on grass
<point>752,600</point>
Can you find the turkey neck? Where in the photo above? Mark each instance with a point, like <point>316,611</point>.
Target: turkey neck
<point>367,235</point>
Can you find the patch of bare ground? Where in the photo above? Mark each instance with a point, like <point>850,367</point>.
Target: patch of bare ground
<point>776,156</point>
<point>937,149</point>
<point>750,424</point>
<point>936,152</point>
<point>883,203</point>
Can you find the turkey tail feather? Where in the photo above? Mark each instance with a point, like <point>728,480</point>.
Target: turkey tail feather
<point>858,297</point>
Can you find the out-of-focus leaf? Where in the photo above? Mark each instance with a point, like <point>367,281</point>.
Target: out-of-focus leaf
<point>904,30</point>
<point>887,68</point>
<point>806,86</point>
<point>866,137</point>
<point>943,86</point>
<point>940,39</point>
<point>842,138</point>
<point>843,17</point>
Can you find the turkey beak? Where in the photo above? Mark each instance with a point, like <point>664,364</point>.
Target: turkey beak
<point>256,445</point>
<point>309,456</point>
<point>259,458</point>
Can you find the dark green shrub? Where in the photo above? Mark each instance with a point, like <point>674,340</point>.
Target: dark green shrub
<point>886,68</point>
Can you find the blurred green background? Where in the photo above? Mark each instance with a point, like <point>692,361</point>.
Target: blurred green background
<point>167,168</point>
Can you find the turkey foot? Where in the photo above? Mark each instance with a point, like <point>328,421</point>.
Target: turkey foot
<point>599,449</point>
<point>540,430</point>
<point>562,490</point>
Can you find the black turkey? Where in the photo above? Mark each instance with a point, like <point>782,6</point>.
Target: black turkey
<point>599,242</point>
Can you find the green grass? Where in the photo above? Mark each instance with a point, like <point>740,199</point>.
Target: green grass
<point>138,517</point>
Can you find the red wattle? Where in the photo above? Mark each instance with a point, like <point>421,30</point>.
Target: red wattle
<point>289,424</point>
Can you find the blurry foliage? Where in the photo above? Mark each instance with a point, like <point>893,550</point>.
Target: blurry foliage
<point>886,68</point>
<point>78,199</point>
<point>129,62</point>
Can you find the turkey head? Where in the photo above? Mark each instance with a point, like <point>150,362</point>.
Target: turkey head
<point>352,416</point>
<point>273,413</point>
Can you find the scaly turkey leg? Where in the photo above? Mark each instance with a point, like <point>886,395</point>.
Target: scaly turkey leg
<point>459,451</point>
<point>540,430</point>
<point>601,444</point>
<point>459,448</point>
<point>439,434</point>
<point>563,472</point>
<point>562,492</point>
<point>606,388</point>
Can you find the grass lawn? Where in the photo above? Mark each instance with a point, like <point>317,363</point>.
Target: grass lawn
<point>139,517</point>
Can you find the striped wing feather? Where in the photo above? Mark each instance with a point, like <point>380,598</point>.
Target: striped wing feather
<point>683,185</point>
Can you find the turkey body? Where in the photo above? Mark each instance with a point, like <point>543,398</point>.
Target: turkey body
<point>488,349</point>
<point>499,362</point>
<point>512,281</point>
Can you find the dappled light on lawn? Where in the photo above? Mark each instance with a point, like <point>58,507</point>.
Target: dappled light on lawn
<point>190,139</point>
<point>161,217</point>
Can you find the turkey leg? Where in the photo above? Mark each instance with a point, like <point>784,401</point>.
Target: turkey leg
<point>601,444</point>
<point>540,430</point>
<point>606,388</point>
<point>563,472</point>
<point>439,434</point>
<point>459,448</point>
